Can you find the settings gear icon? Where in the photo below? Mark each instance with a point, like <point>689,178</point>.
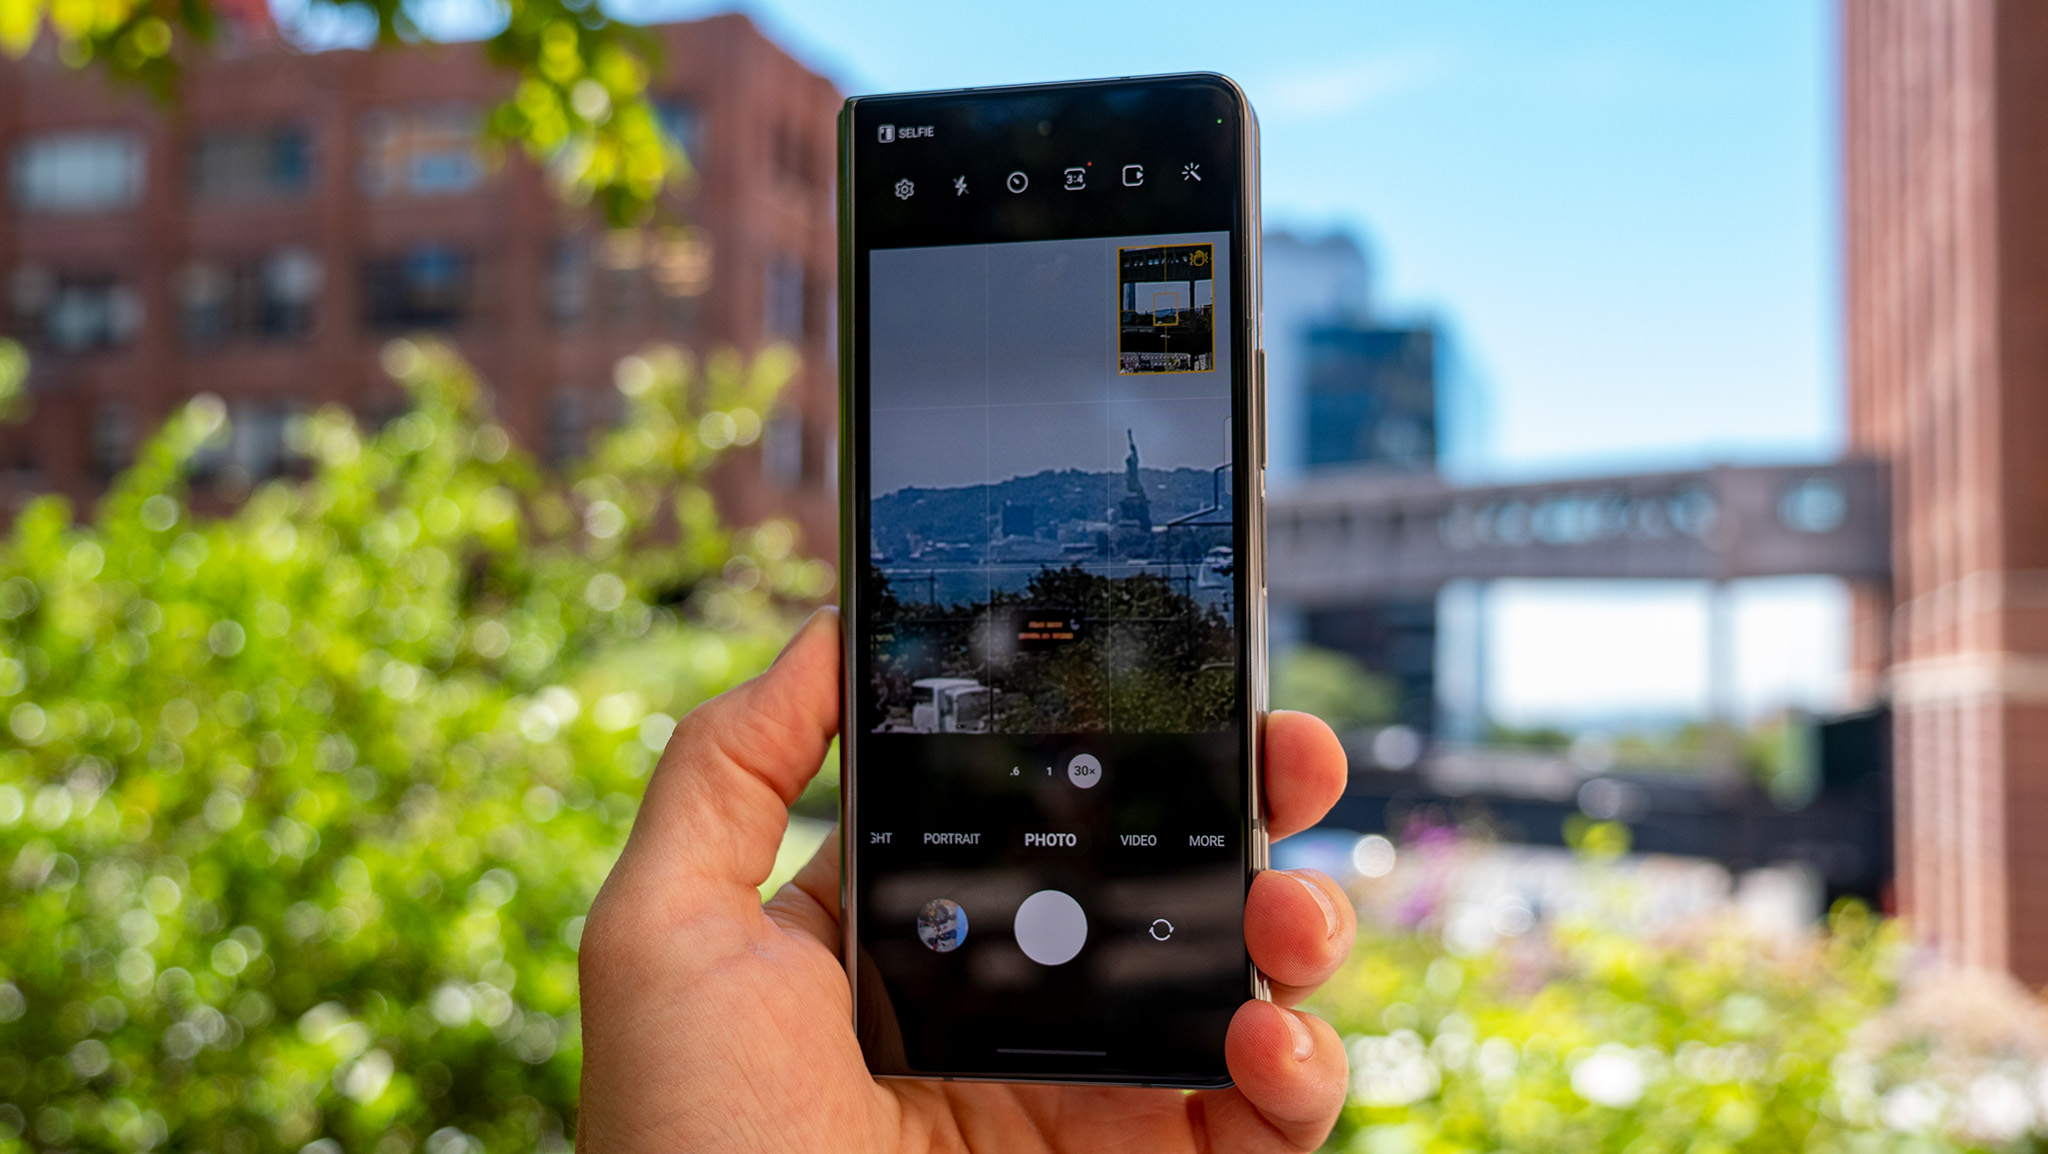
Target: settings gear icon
<point>904,188</point>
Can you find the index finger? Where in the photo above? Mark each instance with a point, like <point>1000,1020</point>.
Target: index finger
<point>1305,771</point>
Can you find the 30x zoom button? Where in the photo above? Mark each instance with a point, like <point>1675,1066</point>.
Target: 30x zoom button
<point>1084,770</point>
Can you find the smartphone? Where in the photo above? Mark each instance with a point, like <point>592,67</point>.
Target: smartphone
<point>1051,453</point>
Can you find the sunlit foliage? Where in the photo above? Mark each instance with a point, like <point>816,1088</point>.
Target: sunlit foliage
<point>300,809</point>
<point>1589,1029</point>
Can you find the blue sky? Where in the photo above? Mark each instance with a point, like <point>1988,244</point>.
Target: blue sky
<point>1625,214</point>
<point>1625,211</point>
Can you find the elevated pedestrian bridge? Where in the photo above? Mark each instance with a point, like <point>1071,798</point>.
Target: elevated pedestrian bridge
<point>1347,537</point>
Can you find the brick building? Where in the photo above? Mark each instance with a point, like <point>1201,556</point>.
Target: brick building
<point>263,238</point>
<point>1946,139</point>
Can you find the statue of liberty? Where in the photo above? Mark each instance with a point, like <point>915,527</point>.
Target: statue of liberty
<point>1136,508</point>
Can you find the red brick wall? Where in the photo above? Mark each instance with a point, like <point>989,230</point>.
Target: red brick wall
<point>1946,151</point>
<point>749,94</point>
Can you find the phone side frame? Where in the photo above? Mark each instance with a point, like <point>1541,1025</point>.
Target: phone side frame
<point>1258,847</point>
<point>849,574</point>
<point>1248,346</point>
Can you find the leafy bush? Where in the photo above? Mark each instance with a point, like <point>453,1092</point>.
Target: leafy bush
<point>1587,1040</point>
<point>300,808</point>
<point>1597,1031</point>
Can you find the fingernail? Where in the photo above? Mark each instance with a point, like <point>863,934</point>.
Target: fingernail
<point>1304,1038</point>
<point>1331,923</point>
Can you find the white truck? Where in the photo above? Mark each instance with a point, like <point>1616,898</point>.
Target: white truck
<point>948,705</point>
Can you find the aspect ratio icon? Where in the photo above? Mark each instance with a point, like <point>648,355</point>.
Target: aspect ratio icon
<point>1084,771</point>
<point>1018,182</point>
<point>1134,175</point>
<point>1077,179</point>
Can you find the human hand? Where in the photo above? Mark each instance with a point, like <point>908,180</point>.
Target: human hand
<point>713,1022</point>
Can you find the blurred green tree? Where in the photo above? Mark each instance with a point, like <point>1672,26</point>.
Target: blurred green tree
<point>1334,687</point>
<point>580,103</point>
<point>300,809</point>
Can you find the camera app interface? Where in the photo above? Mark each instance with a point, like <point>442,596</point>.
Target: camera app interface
<point>1050,761</point>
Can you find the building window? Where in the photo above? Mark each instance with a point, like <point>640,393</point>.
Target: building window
<point>568,289</point>
<point>423,151</point>
<point>622,296</point>
<point>113,438</point>
<point>575,415</point>
<point>683,123</point>
<point>272,298</point>
<point>792,158</point>
<point>681,316</point>
<point>681,263</point>
<point>425,287</point>
<point>782,449</point>
<point>249,164</point>
<point>74,313</point>
<point>287,287</point>
<point>257,447</point>
<point>77,172</point>
<point>566,433</point>
<point>622,257</point>
<point>206,295</point>
<point>784,312</point>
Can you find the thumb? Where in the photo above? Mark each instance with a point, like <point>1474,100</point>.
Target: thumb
<point>718,803</point>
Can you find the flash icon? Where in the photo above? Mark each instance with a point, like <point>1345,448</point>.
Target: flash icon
<point>959,186</point>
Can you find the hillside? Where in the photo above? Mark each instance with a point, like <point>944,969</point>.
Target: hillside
<point>969,513</point>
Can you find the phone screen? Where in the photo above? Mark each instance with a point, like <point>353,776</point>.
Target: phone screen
<point>1049,753</point>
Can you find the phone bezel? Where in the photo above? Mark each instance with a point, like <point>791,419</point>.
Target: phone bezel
<point>1248,366</point>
